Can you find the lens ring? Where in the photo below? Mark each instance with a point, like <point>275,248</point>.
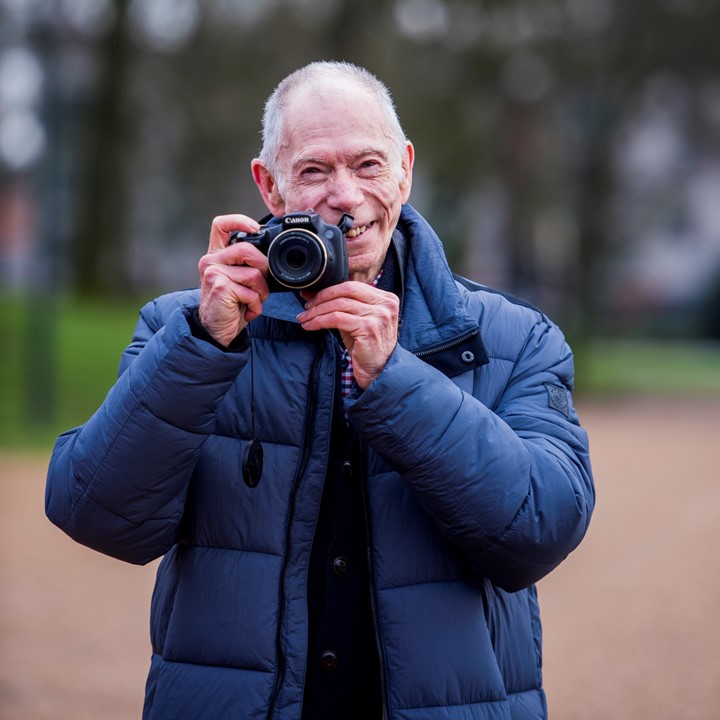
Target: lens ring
<point>297,258</point>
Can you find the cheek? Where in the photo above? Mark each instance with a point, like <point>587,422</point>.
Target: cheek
<point>303,199</point>
<point>391,200</point>
<point>386,192</point>
<point>300,191</point>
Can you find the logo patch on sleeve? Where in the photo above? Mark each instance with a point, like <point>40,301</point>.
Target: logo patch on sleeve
<point>558,399</point>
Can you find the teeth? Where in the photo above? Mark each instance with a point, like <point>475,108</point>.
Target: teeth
<point>354,232</point>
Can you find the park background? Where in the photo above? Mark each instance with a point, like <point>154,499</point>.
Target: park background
<point>568,151</point>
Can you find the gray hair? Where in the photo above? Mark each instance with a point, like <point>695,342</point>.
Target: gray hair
<point>318,74</point>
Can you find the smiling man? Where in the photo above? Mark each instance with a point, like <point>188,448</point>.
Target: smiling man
<point>416,463</point>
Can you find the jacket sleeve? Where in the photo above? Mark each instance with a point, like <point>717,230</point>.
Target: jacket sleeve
<point>512,486</point>
<point>118,483</point>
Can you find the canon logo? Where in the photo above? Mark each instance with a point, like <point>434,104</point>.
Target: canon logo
<point>297,220</point>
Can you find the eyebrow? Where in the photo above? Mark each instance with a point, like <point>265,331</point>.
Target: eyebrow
<point>308,160</point>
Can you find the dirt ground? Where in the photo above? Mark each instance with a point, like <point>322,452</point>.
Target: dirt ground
<point>631,619</point>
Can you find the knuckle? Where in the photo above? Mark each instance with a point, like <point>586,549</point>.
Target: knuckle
<point>210,271</point>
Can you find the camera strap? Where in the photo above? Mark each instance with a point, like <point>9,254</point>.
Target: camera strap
<point>252,466</point>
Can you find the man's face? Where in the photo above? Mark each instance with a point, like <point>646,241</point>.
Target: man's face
<point>337,158</point>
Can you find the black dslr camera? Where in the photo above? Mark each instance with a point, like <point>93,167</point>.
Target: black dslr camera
<point>303,251</point>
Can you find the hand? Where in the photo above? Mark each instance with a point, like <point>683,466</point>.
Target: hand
<point>367,319</point>
<point>232,280</point>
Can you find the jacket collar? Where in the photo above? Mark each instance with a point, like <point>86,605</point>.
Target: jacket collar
<point>437,325</point>
<point>435,322</point>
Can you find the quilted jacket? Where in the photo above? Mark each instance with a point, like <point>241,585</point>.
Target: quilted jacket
<point>477,484</point>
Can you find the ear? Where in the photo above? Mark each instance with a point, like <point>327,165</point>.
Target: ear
<point>407,167</point>
<point>268,188</point>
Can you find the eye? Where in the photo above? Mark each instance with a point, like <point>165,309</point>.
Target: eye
<point>370,166</point>
<point>312,173</point>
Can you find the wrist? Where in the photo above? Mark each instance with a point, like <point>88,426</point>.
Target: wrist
<point>199,331</point>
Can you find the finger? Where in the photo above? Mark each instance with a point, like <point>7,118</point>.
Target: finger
<point>223,225</point>
<point>239,254</point>
<point>220,284</point>
<point>240,275</point>
<point>354,297</point>
<point>380,324</point>
<point>358,290</point>
<point>385,307</point>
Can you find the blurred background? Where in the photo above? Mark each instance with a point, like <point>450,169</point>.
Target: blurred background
<point>568,151</point>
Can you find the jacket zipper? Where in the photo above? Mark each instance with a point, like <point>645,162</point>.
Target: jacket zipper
<point>309,416</point>
<point>423,352</point>
<point>373,598</point>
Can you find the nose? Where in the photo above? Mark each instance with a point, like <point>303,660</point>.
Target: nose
<point>344,191</point>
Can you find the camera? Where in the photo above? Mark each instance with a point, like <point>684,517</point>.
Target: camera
<point>303,251</point>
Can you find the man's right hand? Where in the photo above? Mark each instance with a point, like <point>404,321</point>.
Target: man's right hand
<point>232,280</point>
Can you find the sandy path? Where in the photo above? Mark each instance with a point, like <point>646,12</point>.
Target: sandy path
<point>632,621</point>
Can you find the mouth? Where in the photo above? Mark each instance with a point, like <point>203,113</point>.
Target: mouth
<point>357,231</point>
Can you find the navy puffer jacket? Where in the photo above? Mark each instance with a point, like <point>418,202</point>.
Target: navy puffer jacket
<point>478,484</point>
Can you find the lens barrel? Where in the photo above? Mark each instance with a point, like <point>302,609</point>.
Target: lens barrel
<point>297,258</point>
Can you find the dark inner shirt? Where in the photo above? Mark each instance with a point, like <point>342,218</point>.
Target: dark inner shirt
<point>343,675</point>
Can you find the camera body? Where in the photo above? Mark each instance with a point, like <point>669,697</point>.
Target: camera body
<point>303,251</point>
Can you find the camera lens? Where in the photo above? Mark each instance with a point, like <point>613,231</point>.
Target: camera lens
<point>297,258</point>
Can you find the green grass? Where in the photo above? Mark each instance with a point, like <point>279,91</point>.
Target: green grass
<point>623,367</point>
<point>57,362</point>
<point>59,358</point>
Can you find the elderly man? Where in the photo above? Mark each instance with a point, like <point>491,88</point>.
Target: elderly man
<point>354,487</point>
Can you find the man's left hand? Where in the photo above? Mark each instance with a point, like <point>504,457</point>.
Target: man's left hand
<point>365,316</point>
